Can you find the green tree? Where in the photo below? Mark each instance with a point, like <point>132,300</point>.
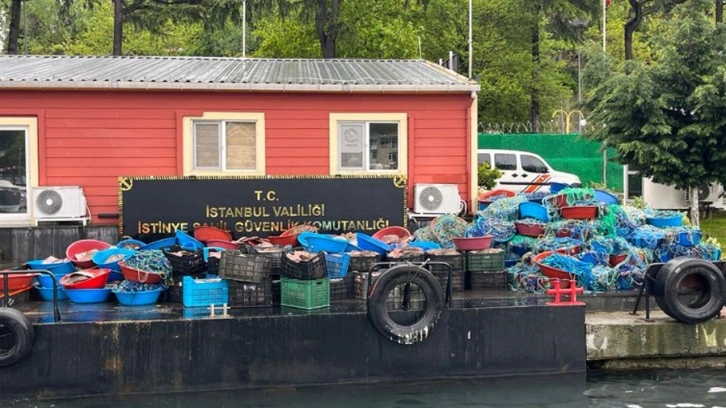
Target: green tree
<point>664,118</point>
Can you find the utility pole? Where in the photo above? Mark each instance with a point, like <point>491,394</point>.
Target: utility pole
<point>244,28</point>
<point>471,56</point>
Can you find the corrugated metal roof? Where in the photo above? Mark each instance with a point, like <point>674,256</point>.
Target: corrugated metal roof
<point>202,73</point>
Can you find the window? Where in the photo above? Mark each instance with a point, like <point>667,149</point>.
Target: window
<point>224,144</point>
<point>505,161</point>
<point>485,158</point>
<point>533,164</point>
<point>367,143</point>
<point>18,172</point>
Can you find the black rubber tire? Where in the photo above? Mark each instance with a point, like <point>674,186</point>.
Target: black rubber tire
<point>711,298</point>
<point>15,323</point>
<point>385,283</point>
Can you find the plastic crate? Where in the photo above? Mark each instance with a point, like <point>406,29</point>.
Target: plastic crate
<point>204,292</point>
<point>482,280</point>
<point>341,288</point>
<point>275,284</point>
<point>337,265</point>
<point>484,261</point>
<point>409,257</point>
<point>455,261</point>
<point>457,280</point>
<point>174,293</point>
<point>305,294</point>
<point>186,263</point>
<point>235,265</point>
<point>362,263</point>
<point>314,269</point>
<point>250,294</point>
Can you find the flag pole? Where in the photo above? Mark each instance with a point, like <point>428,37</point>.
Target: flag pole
<point>604,25</point>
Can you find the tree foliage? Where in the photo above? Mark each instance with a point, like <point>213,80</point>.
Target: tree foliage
<point>662,116</point>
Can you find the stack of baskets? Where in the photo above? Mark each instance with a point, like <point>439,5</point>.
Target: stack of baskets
<point>248,276</point>
<point>304,281</point>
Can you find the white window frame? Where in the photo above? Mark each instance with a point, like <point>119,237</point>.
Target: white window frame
<point>221,117</point>
<point>400,118</point>
<point>30,126</point>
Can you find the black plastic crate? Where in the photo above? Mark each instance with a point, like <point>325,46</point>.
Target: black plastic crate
<point>174,292</point>
<point>244,294</point>
<point>455,261</point>
<point>235,265</point>
<point>342,288</point>
<point>275,255</point>
<point>362,263</point>
<point>313,269</point>
<point>484,261</point>
<point>276,287</point>
<point>410,257</point>
<point>483,280</point>
<point>184,262</point>
<point>457,280</point>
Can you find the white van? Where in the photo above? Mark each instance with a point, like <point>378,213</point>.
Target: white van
<point>524,172</point>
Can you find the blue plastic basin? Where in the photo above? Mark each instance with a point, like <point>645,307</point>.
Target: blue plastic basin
<point>187,241</point>
<point>529,209</point>
<point>675,221</point>
<point>138,298</point>
<point>88,295</point>
<point>100,257</point>
<point>60,268</point>
<point>605,197</point>
<point>47,293</point>
<point>368,243</point>
<point>162,243</point>
<point>320,242</point>
<point>688,239</point>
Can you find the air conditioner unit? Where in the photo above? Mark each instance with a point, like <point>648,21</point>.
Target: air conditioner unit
<point>436,199</point>
<point>707,193</point>
<point>58,203</point>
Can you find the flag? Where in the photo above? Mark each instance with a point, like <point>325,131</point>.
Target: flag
<point>607,3</point>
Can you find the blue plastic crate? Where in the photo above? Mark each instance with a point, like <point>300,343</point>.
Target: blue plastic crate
<point>204,292</point>
<point>337,265</point>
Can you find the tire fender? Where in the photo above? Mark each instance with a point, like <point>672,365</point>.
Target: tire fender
<point>382,287</point>
<point>15,325</point>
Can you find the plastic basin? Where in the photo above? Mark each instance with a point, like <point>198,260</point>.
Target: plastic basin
<point>224,244</point>
<point>530,230</point>
<point>688,239</point>
<point>84,245</point>
<point>550,272</point>
<point>585,212</point>
<point>617,259</point>
<point>46,281</point>
<point>675,221</point>
<point>319,242</point>
<point>533,210</point>
<point>138,298</point>
<point>368,243</point>
<point>187,241</point>
<point>205,233</point>
<point>473,243</point>
<point>17,282</point>
<point>132,244</point>
<point>60,268</point>
<point>100,258</point>
<point>136,275</point>
<point>88,295</point>
<point>97,278</point>
<point>47,293</point>
<point>159,244</point>
<point>392,230</point>
<point>425,245</point>
<point>605,197</point>
<point>283,240</point>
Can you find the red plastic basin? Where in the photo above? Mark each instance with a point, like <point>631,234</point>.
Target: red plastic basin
<point>95,279</point>
<point>392,230</point>
<point>222,244</point>
<point>617,259</point>
<point>282,241</point>
<point>473,243</point>
<point>529,230</point>
<point>205,233</point>
<point>17,282</point>
<point>84,245</point>
<point>586,212</point>
<point>136,275</point>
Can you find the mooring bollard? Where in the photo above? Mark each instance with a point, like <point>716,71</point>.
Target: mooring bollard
<point>558,292</point>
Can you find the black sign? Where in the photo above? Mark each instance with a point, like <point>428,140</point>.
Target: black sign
<point>151,207</point>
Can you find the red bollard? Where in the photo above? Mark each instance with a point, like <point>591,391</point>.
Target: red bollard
<point>571,292</point>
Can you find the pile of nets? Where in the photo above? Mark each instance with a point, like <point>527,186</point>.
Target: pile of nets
<point>606,252</point>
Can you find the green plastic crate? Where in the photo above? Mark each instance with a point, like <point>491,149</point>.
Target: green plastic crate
<point>484,261</point>
<point>305,294</point>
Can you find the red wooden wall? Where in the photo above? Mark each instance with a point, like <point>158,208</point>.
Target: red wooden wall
<point>90,138</point>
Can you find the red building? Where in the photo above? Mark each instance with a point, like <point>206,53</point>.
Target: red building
<point>85,121</point>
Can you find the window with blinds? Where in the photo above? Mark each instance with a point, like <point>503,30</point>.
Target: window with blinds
<point>225,145</point>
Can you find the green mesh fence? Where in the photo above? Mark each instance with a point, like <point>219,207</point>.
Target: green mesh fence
<point>564,152</point>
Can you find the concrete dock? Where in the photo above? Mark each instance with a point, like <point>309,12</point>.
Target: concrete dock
<point>620,340</point>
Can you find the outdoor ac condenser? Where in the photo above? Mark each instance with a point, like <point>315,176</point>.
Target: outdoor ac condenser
<point>62,202</point>
<point>436,199</point>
